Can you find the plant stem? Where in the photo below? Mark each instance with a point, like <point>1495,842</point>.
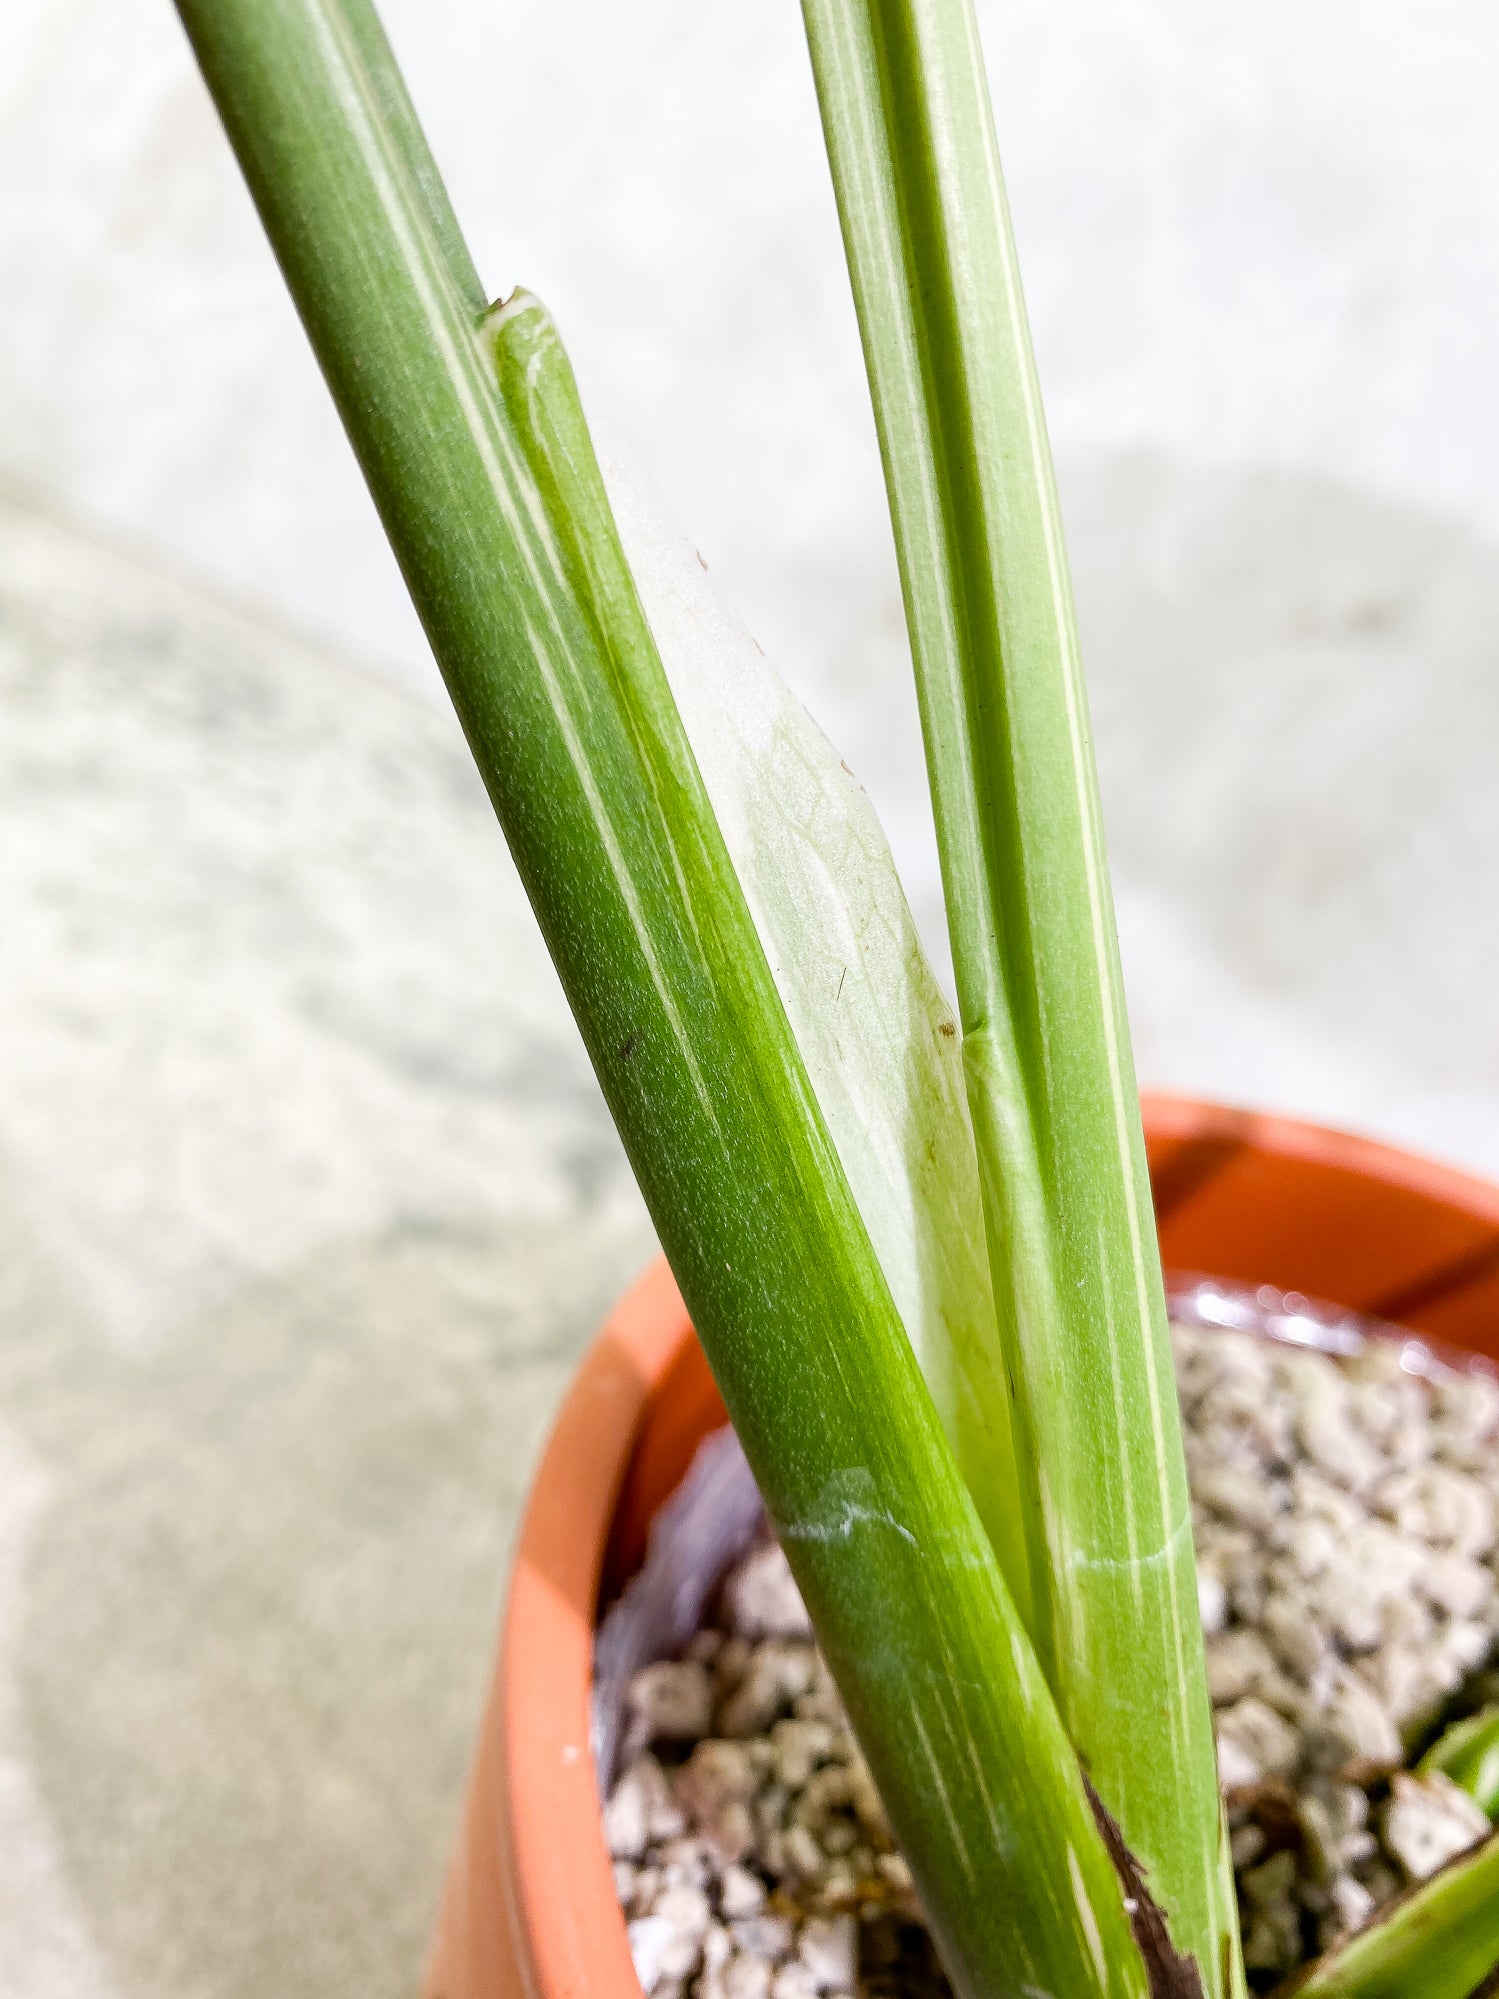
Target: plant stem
<point>1051,1085</point>
<point>1439,1941</point>
<point>473,443</point>
<point>1468,1753</point>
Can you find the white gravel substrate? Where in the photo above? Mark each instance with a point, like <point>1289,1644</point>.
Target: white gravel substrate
<point>1345,1514</point>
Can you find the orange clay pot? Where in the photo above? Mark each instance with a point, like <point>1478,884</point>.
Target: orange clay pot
<point>529,1906</point>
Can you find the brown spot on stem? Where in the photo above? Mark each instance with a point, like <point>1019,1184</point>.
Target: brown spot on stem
<point>1171,1975</point>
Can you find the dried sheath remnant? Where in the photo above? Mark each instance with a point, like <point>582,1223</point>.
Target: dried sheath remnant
<point>1171,1975</point>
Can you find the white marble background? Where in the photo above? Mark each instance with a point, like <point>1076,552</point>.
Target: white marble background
<point>305,1196</point>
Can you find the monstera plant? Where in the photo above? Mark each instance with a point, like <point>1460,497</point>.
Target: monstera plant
<point>918,1247</point>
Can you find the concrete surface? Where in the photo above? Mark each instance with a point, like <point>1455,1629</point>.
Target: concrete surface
<point>307,1203</point>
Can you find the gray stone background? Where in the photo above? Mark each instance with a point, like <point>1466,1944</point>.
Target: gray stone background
<point>306,1199</point>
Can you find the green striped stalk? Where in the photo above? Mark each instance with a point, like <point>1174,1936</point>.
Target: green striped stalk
<point>471,437</point>
<point>1076,1269</point>
<point>1468,1753</point>
<point>1439,1941</point>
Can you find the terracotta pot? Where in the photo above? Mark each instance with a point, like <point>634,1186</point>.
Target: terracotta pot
<point>529,1905</point>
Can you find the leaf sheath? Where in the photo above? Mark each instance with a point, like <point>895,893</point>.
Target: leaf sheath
<point>1051,1086</point>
